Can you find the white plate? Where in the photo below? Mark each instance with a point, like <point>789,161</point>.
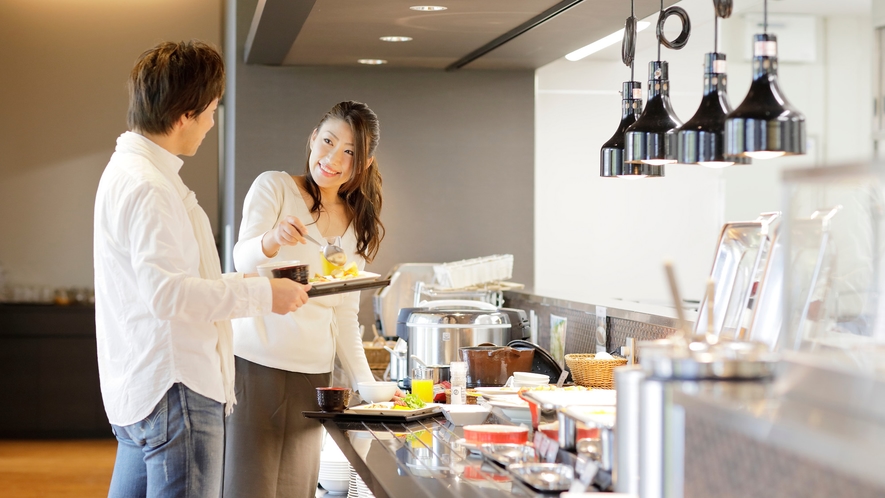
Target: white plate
<point>363,275</point>
<point>514,402</point>
<point>496,390</point>
<point>507,398</point>
<point>473,448</point>
<point>593,397</point>
<point>386,408</point>
<point>518,414</point>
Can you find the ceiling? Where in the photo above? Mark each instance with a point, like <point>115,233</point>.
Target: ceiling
<point>469,34</point>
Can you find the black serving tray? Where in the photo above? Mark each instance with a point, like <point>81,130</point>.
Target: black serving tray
<point>362,417</point>
<point>329,288</point>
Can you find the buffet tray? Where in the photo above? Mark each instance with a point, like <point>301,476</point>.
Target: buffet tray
<point>366,280</point>
<point>396,416</point>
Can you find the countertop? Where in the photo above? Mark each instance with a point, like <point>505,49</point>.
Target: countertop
<point>423,459</point>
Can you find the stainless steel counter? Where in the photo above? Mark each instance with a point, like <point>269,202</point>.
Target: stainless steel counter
<point>423,459</point>
<point>813,432</point>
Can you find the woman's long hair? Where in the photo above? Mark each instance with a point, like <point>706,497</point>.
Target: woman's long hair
<point>362,192</point>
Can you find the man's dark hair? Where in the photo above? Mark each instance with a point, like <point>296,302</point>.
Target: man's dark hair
<point>171,80</point>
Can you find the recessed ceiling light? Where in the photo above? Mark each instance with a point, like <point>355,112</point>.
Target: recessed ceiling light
<point>428,8</point>
<point>396,38</point>
<point>372,62</point>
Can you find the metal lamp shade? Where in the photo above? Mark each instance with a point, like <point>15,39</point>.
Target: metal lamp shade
<point>611,155</point>
<point>651,140</point>
<point>701,140</point>
<point>765,125</point>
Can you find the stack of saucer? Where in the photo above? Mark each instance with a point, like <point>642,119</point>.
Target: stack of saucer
<point>358,488</point>
<point>334,468</point>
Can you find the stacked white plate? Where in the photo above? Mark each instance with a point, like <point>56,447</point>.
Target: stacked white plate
<point>334,468</point>
<point>358,488</point>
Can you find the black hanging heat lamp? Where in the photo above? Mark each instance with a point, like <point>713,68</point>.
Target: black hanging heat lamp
<point>650,142</point>
<point>611,155</point>
<point>765,125</point>
<point>701,140</point>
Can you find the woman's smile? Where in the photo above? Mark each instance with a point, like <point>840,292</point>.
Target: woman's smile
<point>327,171</point>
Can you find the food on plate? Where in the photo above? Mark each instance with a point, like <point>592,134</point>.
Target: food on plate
<point>348,272</point>
<point>409,402</point>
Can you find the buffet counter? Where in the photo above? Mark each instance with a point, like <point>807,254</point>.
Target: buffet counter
<point>424,458</point>
<point>817,430</point>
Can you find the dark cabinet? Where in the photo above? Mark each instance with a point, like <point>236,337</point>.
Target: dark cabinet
<point>49,373</point>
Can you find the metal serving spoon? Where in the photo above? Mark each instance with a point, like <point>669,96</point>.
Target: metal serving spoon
<point>332,253</point>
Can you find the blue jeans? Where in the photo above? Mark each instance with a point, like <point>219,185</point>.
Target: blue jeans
<point>177,451</point>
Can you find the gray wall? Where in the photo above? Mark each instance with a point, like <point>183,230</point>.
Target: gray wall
<point>456,151</point>
<point>63,71</point>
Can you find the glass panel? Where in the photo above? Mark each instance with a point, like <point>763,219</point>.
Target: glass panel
<point>832,232</point>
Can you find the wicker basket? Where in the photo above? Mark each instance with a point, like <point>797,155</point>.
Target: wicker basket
<point>590,372</point>
<point>377,356</point>
<point>472,397</point>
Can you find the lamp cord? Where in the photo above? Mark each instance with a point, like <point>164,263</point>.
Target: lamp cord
<point>722,9</point>
<point>716,34</point>
<point>660,30</point>
<point>628,44</point>
<point>680,41</point>
<point>765,17</point>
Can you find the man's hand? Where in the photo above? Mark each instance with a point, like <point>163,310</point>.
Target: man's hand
<point>288,295</point>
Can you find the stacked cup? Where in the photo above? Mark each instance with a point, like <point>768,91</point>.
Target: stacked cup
<point>529,379</point>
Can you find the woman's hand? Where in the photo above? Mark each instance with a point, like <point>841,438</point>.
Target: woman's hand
<point>286,233</point>
<point>398,398</point>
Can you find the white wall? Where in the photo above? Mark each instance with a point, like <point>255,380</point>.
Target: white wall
<point>624,230</point>
<point>63,100</point>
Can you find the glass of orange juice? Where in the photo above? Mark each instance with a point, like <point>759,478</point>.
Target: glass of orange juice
<point>326,266</point>
<point>422,384</point>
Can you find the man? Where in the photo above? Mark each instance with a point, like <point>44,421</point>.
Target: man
<point>162,307</point>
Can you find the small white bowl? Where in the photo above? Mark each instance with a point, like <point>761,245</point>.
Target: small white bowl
<point>264,269</point>
<point>465,414</point>
<point>335,486</point>
<point>377,392</point>
<point>532,378</point>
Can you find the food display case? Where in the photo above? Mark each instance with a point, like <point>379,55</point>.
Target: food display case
<point>833,228</point>
<point>817,428</point>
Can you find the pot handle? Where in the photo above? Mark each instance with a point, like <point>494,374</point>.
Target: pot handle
<point>466,303</point>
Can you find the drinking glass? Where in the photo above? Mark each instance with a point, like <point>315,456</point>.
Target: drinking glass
<point>422,384</point>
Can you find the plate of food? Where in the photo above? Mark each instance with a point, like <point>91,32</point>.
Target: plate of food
<point>388,408</point>
<point>322,285</point>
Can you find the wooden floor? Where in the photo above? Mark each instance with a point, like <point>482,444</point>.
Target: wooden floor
<point>79,468</point>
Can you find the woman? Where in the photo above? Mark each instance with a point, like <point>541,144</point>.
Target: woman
<point>271,449</point>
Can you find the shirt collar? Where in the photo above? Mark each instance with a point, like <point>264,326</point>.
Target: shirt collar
<point>163,159</point>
